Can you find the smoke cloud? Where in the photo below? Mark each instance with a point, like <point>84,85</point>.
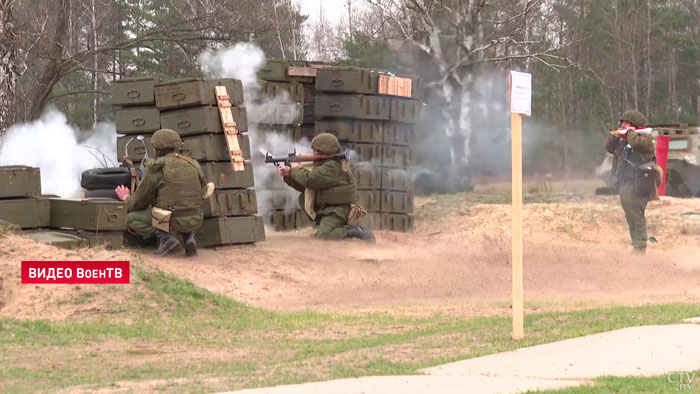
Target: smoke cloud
<point>60,151</point>
<point>267,117</point>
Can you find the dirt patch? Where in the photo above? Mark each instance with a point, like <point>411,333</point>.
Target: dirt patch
<point>54,302</point>
<point>574,253</point>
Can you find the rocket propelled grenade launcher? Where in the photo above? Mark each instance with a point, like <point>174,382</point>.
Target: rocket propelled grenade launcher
<point>646,130</point>
<point>293,157</point>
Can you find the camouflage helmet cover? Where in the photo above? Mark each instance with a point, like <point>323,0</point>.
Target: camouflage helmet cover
<point>166,139</point>
<point>325,143</point>
<point>636,118</point>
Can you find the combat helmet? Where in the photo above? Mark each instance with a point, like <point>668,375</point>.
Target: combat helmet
<point>635,117</point>
<point>325,143</point>
<point>166,139</point>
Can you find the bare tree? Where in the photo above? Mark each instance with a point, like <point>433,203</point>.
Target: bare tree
<point>8,65</point>
<point>451,40</point>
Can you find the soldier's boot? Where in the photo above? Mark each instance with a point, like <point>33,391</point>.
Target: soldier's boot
<point>166,243</point>
<point>361,232</point>
<point>190,244</point>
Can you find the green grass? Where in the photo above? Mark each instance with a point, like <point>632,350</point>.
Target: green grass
<point>171,329</point>
<point>654,384</point>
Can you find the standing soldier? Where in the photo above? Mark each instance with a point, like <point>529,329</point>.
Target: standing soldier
<point>328,192</point>
<point>167,203</point>
<point>632,149</point>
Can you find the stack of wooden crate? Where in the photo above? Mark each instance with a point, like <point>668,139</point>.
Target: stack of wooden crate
<point>191,108</point>
<point>373,113</point>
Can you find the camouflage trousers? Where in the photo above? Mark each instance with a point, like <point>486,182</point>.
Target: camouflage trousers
<point>332,226</point>
<point>634,208</point>
<point>139,222</point>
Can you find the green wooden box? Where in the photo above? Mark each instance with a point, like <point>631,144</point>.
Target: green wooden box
<point>133,91</point>
<point>396,202</point>
<point>231,203</point>
<point>369,200</point>
<point>195,92</point>
<point>231,230</point>
<point>293,90</point>
<point>31,212</point>
<point>368,153</point>
<point>352,130</point>
<point>55,238</point>
<point>223,176</point>
<point>274,70</point>
<point>373,220</point>
<point>91,214</point>
<point>367,176</point>
<point>354,106</point>
<point>137,120</point>
<point>397,222</point>
<point>346,80</point>
<point>19,181</point>
<point>396,179</point>
<point>396,156</point>
<point>207,147</point>
<point>405,110</point>
<point>396,133</point>
<point>201,120</point>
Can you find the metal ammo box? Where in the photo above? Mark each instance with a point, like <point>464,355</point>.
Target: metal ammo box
<point>31,212</point>
<point>352,130</point>
<point>346,80</point>
<point>201,120</point>
<point>231,230</point>
<point>399,134</point>
<point>195,92</point>
<point>223,176</point>
<point>405,110</point>
<point>207,147</point>
<point>355,106</point>
<point>91,214</point>
<point>19,181</point>
<point>137,120</point>
<point>396,202</point>
<point>231,203</point>
<point>133,91</point>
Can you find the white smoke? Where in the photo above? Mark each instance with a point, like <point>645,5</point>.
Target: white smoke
<point>269,120</point>
<point>54,146</point>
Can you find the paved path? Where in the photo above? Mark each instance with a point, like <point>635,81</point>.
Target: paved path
<point>635,351</point>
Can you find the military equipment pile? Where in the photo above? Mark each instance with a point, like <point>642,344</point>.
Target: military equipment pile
<point>70,223</point>
<point>144,105</point>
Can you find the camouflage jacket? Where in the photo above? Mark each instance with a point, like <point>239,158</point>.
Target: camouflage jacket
<point>642,151</point>
<point>334,187</point>
<point>153,181</point>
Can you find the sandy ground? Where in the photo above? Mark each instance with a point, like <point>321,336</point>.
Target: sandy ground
<point>456,261</point>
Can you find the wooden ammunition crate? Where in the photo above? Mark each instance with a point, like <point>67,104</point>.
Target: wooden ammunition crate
<point>231,203</point>
<point>137,120</point>
<point>133,91</point>
<point>201,120</point>
<point>368,131</point>
<point>31,212</point>
<point>19,181</point>
<point>91,214</point>
<point>231,230</point>
<point>353,106</point>
<point>195,92</point>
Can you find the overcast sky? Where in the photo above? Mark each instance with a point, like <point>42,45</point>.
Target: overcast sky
<point>332,9</point>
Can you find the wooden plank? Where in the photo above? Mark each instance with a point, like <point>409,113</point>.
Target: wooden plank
<point>383,84</point>
<point>404,87</point>
<point>293,71</point>
<point>230,129</point>
<point>394,86</point>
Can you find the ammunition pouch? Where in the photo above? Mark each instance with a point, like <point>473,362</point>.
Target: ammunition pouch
<point>645,180</point>
<point>160,219</point>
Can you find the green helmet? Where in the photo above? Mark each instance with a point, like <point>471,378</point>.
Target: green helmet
<point>636,118</point>
<point>325,143</point>
<point>166,139</point>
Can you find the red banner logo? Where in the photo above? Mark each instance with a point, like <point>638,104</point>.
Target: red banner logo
<point>75,272</point>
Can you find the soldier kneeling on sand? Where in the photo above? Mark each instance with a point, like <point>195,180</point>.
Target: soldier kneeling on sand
<point>328,192</point>
<point>167,203</point>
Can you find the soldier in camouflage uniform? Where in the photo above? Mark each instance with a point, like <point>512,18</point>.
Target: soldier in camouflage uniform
<point>629,151</point>
<point>331,185</point>
<point>172,182</point>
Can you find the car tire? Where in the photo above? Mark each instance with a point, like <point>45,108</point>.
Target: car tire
<point>105,178</point>
<point>101,193</point>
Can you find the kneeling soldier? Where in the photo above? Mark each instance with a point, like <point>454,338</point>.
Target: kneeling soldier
<point>328,192</point>
<point>167,203</point>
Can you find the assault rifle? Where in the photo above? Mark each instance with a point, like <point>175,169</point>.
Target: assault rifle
<point>293,157</point>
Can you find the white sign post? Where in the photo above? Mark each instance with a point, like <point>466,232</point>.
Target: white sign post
<point>520,104</point>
